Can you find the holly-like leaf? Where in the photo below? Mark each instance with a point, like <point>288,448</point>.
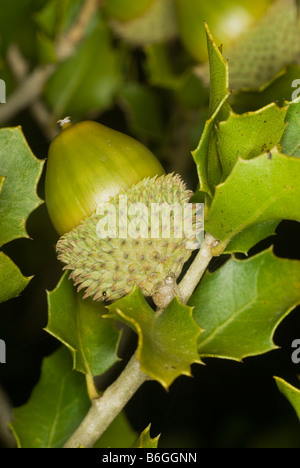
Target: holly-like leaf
<point>78,323</point>
<point>249,135</point>
<point>205,155</point>
<point>56,407</point>
<point>248,238</point>
<point>145,440</point>
<point>118,435</point>
<point>241,304</point>
<point>167,340</point>
<point>22,171</point>
<point>261,190</point>
<point>12,282</point>
<point>291,138</point>
<point>290,392</point>
<point>135,98</point>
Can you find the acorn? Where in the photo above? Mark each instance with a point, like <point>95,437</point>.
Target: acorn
<point>88,163</point>
<point>91,172</point>
<point>227,20</point>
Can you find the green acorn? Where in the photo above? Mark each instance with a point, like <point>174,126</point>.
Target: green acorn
<point>87,164</point>
<point>227,20</point>
<point>92,169</point>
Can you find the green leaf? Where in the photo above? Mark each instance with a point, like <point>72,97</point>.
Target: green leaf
<point>89,80</point>
<point>159,67</point>
<point>201,154</point>
<point>241,304</point>
<point>249,135</point>
<point>57,405</point>
<point>12,282</point>
<point>290,392</point>
<point>2,179</point>
<point>22,171</point>
<point>135,99</point>
<point>291,138</point>
<point>248,238</point>
<point>145,440</point>
<point>12,16</point>
<point>219,78</point>
<point>167,341</point>
<point>118,435</point>
<point>262,190</point>
<point>277,89</point>
<point>57,16</point>
<point>78,323</point>
<point>206,155</point>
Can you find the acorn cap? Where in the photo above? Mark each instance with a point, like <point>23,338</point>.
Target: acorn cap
<point>109,268</point>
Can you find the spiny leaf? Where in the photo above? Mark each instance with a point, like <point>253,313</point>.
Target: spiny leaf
<point>12,282</point>
<point>118,435</point>
<point>249,237</point>
<point>261,190</point>
<point>219,78</point>
<point>22,171</point>
<point>249,135</point>
<point>145,440</point>
<point>56,407</point>
<point>79,324</point>
<point>241,304</point>
<point>290,392</point>
<point>167,341</point>
<point>218,109</point>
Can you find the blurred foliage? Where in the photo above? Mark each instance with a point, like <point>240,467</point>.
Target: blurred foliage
<point>153,84</point>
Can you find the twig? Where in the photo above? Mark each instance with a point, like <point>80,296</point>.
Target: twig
<point>26,93</point>
<point>32,86</point>
<point>186,287</point>
<point>197,269</point>
<point>67,43</point>
<point>107,407</point>
<point>104,409</point>
<point>19,67</point>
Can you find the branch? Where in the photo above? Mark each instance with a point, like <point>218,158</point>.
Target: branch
<point>104,409</point>
<point>19,67</point>
<point>68,42</point>
<point>185,288</point>
<point>31,88</point>
<point>197,269</point>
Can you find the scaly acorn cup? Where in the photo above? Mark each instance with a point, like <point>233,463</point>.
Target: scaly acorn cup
<point>90,165</point>
<point>157,23</point>
<point>108,268</point>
